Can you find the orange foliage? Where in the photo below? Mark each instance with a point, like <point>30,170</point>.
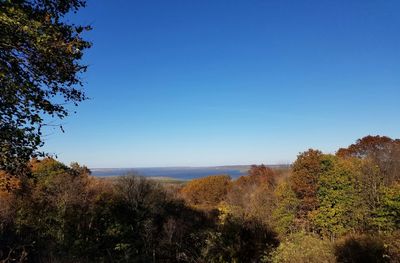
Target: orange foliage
<point>382,150</point>
<point>45,164</point>
<point>8,183</point>
<point>258,175</point>
<point>368,146</point>
<point>207,191</point>
<point>304,180</point>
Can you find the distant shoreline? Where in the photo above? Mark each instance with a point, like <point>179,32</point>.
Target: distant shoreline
<point>178,173</point>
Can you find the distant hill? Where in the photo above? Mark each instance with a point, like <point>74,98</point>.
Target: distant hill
<point>180,173</point>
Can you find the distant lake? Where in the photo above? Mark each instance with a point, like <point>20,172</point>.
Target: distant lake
<point>180,173</point>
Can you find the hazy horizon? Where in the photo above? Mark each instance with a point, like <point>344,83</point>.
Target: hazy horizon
<point>188,167</point>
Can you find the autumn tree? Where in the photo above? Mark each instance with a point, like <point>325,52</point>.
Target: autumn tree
<point>261,174</point>
<point>341,209</point>
<point>381,150</point>
<point>386,216</point>
<point>40,73</point>
<point>306,171</point>
<point>285,211</point>
<point>379,173</point>
<point>251,196</point>
<point>257,176</point>
<point>59,215</point>
<point>371,181</point>
<point>207,191</point>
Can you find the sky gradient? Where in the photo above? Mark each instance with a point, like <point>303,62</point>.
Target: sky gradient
<point>198,83</point>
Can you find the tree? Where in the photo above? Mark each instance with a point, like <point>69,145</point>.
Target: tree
<point>251,196</point>
<point>304,181</point>
<point>208,191</point>
<point>340,208</point>
<point>387,215</point>
<point>261,174</point>
<point>40,68</point>
<point>371,180</point>
<point>381,150</point>
<point>380,173</point>
<point>286,208</point>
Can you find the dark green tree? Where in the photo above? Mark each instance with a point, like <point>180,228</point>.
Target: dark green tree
<point>40,73</point>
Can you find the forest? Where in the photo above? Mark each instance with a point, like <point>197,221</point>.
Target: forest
<point>326,208</point>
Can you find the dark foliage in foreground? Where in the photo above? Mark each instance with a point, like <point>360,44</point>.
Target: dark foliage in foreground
<point>68,216</point>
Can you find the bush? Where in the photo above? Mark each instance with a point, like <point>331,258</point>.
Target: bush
<point>392,247</point>
<point>361,248</point>
<point>238,240</point>
<point>302,248</point>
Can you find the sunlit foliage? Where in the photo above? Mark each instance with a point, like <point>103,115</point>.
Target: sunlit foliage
<point>326,208</point>
<point>284,214</point>
<point>208,191</point>
<point>302,248</point>
<point>306,171</point>
<point>251,196</point>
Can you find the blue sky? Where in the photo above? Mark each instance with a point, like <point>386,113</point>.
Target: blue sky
<point>197,83</point>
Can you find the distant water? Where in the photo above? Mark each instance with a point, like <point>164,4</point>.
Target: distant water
<point>180,173</point>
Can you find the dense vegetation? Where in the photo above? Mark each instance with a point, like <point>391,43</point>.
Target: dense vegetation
<point>326,208</point>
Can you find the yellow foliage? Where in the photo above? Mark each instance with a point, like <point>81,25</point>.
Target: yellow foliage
<point>206,192</point>
<point>224,210</point>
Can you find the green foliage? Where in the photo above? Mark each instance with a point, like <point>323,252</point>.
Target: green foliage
<point>39,71</point>
<point>47,168</point>
<point>302,248</point>
<point>387,215</point>
<point>340,205</point>
<point>383,151</point>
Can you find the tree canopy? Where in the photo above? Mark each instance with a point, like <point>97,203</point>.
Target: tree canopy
<point>329,208</point>
<point>40,73</point>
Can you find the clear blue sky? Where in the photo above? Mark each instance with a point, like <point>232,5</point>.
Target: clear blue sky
<point>194,83</point>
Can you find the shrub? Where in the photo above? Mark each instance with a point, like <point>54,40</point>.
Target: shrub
<point>361,248</point>
<point>238,240</point>
<point>392,246</point>
<point>302,248</point>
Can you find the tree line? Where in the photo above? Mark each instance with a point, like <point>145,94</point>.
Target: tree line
<point>326,208</point>
<point>342,207</point>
